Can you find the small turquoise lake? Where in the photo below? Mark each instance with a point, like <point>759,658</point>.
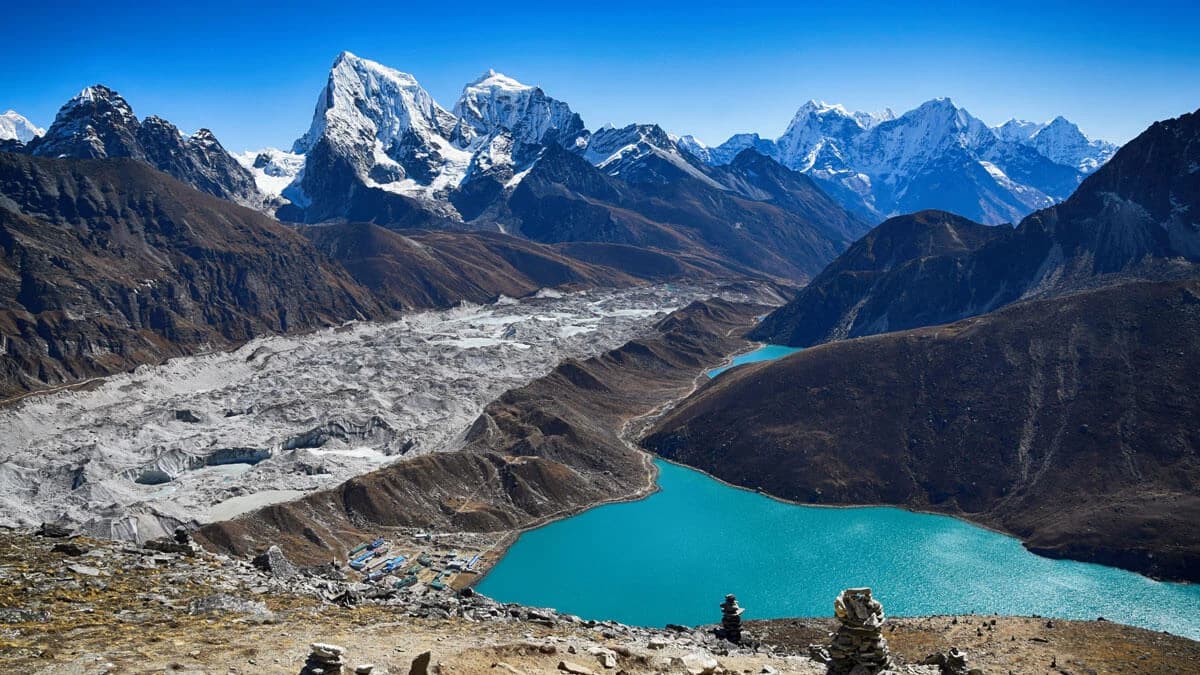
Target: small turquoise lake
<point>671,558</point>
<point>764,353</point>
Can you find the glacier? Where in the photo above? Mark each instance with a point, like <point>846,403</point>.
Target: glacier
<point>207,437</point>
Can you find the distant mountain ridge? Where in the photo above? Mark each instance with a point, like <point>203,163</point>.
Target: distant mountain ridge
<point>937,156</point>
<point>1135,217</point>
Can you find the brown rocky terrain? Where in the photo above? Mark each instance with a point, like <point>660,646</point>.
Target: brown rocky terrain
<point>87,606</point>
<point>417,269</point>
<point>424,268</point>
<point>542,451</point>
<point>790,229</point>
<point>1067,422</point>
<point>108,264</point>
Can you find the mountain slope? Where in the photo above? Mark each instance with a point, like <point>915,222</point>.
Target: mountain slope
<point>564,198</point>
<point>108,264</point>
<point>893,278</point>
<point>99,123</point>
<point>1134,217</point>
<point>423,268</point>
<point>1067,422</point>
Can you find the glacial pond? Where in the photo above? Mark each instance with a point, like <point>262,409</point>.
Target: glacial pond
<point>671,558</point>
<point>763,353</point>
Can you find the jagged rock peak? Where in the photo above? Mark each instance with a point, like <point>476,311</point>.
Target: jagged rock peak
<point>96,122</point>
<point>99,123</point>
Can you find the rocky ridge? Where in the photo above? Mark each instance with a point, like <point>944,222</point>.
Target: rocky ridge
<point>98,123</point>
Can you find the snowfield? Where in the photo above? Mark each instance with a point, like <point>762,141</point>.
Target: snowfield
<point>209,437</point>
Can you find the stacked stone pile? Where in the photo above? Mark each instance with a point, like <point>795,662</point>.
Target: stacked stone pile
<point>324,659</point>
<point>953,662</point>
<point>731,619</point>
<point>858,645</point>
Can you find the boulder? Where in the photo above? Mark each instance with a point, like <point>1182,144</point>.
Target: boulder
<point>699,663</point>
<point>69,548</point>
<point>574,668</point>
<point>420,665</point>
<point>54,530</point>
<point>274,563</point>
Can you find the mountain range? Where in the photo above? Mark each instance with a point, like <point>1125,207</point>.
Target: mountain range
<point>380,149</point>
<point>1132,218</point>
<point>98,123</point>
<point>508,157</point>
<point>936,156</point>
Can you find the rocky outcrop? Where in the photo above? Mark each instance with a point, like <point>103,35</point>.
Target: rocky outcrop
<point>1065,422</point>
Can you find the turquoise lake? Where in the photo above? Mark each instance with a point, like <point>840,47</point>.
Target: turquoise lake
<point>764,353</point>
<point>671,558</point>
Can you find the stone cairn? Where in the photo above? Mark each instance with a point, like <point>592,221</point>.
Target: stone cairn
<point>858,645</point>
<point>324,659</point>
<point>731,619</point>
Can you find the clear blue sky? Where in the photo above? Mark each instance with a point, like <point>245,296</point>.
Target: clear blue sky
<point>252,74</point>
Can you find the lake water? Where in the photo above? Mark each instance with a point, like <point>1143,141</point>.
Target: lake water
<point>671,558</point>
<point>764,353</point>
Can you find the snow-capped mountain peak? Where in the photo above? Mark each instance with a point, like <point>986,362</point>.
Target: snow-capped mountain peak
<point>625,152</point>
<point>1063,142</point>
<point>98,97</point>
<point>816,125</point>
<point>1018,131</point>
<point>496,102</point>
<point>96,122</point>
<point>99,123</point>
<point>497,80</point>
<point>365,97</point>
<point>14,126</point>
